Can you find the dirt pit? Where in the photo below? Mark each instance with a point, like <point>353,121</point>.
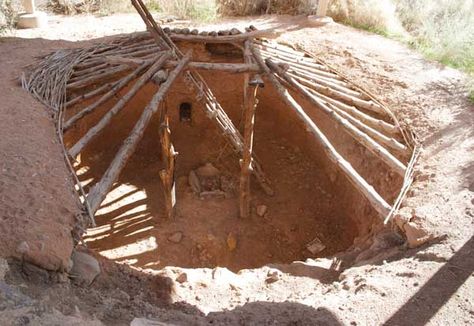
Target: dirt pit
<point>312,201</point>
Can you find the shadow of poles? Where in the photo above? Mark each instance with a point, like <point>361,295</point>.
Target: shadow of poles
<point>422,306</point>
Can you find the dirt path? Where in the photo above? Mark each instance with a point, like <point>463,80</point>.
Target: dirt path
<point>395,285</point>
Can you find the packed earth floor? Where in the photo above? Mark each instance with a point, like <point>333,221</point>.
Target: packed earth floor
<point>198,277</point>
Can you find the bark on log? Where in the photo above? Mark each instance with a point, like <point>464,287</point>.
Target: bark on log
<point>377,202</point>
<point>107,96</point>
<point>369,143</point>
<point>105,120</point>
<point>100,190</point>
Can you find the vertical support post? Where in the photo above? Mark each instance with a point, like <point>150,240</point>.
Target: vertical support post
<point>249,107</point>
<point>167,174</point>
<point>322,8</point>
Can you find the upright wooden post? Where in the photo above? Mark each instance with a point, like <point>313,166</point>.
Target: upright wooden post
<point>249,106</point>
<point>167,174</point>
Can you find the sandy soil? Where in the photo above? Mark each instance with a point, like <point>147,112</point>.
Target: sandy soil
<point>389,284</point>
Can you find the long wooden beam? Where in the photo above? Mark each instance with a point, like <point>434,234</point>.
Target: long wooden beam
<point>224,67</point>
<point>105,120</point>
<point>221,66</point>
<point>100,190</point>
<point>377,202</point>
<point>267,33</point>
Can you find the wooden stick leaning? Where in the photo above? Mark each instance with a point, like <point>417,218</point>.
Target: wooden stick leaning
<point>377,202</point>
<point>107,96</point>
<point>105,120</point>
<point>100,190</point>
<point>378,150</point>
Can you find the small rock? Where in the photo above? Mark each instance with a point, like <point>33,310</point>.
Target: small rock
<point>23,248</point>
<point>183,277</point>
<point>234,31</point>
<point>85,267</point>
<point>315,246</point>
<point>261,210</point>
<point>231,241</point>
<point>176,237</point>
<point>272,277</point>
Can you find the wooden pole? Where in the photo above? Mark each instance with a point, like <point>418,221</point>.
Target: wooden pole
<point>167,174</point>
<point>100,190</point>
<point>249,106</point>
<point>377,202</point>
<point>105,120</point>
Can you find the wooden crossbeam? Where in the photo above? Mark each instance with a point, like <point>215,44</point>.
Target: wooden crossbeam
<point>377,202</point>
<point>100,190</point>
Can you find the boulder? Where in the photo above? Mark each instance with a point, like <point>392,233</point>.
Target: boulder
<point>85,268</point>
